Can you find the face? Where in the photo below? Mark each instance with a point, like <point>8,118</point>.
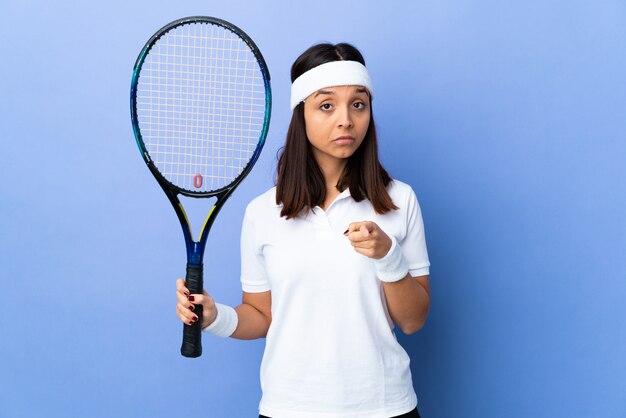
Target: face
<point>336,120</point>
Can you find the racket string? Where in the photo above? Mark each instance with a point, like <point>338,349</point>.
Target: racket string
<point>201,105</point>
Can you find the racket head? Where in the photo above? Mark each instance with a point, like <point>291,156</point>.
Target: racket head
<point>200,105</point>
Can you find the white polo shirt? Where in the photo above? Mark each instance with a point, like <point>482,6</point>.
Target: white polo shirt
<point>330,350</point>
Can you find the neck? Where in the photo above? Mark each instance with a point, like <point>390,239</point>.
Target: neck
<point>332,171</point>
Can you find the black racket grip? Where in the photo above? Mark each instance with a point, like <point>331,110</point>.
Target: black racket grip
<point>192,334</point>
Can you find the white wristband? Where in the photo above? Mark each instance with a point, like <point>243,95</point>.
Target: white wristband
<point>225,322</point>
<point>392,267</point>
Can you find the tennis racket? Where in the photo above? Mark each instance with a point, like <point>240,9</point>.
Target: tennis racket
<point>200,107</point>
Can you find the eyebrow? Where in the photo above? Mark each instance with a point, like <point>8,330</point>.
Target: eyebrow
<point>323,92</point>
<point>328,92</point>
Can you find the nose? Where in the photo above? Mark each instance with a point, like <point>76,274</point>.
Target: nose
<point>344,117</point>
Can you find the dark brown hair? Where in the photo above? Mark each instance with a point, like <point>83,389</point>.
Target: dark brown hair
<point>300,182</point>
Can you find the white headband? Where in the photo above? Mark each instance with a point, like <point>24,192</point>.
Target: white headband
<point>334,73</point>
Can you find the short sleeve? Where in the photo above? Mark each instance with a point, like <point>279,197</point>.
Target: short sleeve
<point>253,275</point>
<point>414,243</point>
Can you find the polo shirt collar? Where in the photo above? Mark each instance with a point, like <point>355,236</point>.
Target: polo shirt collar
<point>342,195</point>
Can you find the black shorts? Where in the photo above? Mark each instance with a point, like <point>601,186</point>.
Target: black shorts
<point>412,414</point>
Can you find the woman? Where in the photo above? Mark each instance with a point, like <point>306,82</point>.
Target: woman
<point>332,257</point>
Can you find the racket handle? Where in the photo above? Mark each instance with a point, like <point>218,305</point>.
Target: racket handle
<point>192,334</point>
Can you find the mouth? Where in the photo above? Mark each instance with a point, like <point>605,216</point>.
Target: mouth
<point>344,140</point>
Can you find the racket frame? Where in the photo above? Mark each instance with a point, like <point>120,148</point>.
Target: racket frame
<point>195,249</point>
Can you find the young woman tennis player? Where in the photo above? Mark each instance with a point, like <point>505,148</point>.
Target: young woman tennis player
<point>331,257</point>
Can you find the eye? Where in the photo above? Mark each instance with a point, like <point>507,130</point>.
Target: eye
<point>326,106</point>
<point>359,105</point>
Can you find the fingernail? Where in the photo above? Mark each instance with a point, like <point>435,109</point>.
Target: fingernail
<point>186,293</point>
<point>346,231</point>
<point>191,298</point>
<point>193,308</point>
<point>195,318</point>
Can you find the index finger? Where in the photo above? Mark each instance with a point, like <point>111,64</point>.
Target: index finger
<point>357,227</point>
<point>354,226</point>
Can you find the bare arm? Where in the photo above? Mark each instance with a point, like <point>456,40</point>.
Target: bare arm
<point>408,301</point>
<point>255,316</point>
